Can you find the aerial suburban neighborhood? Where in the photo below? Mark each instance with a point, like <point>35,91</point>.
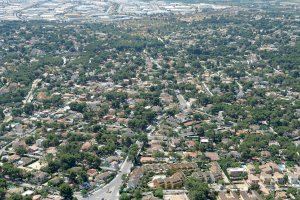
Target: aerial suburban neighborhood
<point>172,101</point>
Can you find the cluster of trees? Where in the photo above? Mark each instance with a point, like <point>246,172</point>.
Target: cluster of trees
<point>27,109</point>
<point>14,97</point>
<point>135,43</point>
<point>126,72</point>
<point>12,172</point>
<point>66,191</point>
<point>3,188</point>
<point>107,138</point>
<point>78,106</point>
<point>152,97</point>
<point>116,98</point>
<point>2,116</point>
<point>70,156</point>
<point>53,101</point>
<point>52,140</point>
<point>26,73</point>
<point>257,109</point>
<point>142,118</point>
<point>133,150</point>
<point>198,190</point>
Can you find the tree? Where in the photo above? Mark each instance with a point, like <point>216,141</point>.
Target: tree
<point>77,106</point>
<point>3,187</point>
<point>198,116</point>
<point>2,193</point>
<point>274,150</point>
<point>53,166</point>
<point>52,140</point>
<point>138,194</point>
<point>294,192</point>
<point>198,190</point>
<point>270,196</point>
<point>158,154</point>
<point>137,123</point>
<point>159,193</point>
<point>2,116</point>
<point>254,187</point>
<point>124,196</point>
<point>67,160</point>
<point>66,191</point>
<point>3,183</point>
<point>28,108</point>
<point>84,192</point>
<point>11,171</point>
<point>16,112</point>
<point>21,150</point>
<point>15,196</point>
<point>29,140</point>
<point>133,151</point>
<point>291,153</point>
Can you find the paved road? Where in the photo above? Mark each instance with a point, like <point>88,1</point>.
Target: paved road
<point>183,103</point>
<point>111,190</point>
<point>3,148</point>
<point>207,89</point>
<point>241,93</point>
<point>240,86</point>
<point>29,96</point>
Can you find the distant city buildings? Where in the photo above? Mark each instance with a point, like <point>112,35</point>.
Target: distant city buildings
<point>92,10</point>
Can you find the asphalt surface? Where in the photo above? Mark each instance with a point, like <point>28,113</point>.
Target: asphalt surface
<point>111,190</point>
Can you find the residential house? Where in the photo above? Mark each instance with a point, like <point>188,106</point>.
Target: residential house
<point>265,178</point>
<point>250,169</point>
<point>252,179</point>
<point>269,168</point>
<point>150,197</point>
<point>172,182</point>
<point>86,146</point>
<point>213,156</point>
<point>251,195</point>
<point>40,177</point>
<point>145,160</point>
<point>236,173</point>
<point>228,195</point>
<point>190,154</point>
<point>91,173</point>
<point>181,196</point>
<point>294,179</point>
<point>265,154</point>
<point>278,178</point>
<point>103,176</point>
<point>216,171</point>
<point>135,177</point>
